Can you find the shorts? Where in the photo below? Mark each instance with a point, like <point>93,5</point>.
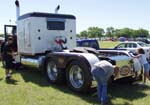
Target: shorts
<point>146,68</point>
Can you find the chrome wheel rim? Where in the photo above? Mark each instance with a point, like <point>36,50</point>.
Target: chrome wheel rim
<point>76,76</point>
<point>52,70</point>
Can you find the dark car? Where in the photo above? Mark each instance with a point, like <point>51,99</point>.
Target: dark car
<point>93,43</point>
<point>145,40</point>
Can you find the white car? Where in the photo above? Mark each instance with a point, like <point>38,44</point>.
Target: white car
<point>133,46</point>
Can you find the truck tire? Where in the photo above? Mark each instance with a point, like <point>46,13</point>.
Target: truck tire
<point>78,77</point>
<point>53,73</point>
<point>110,80</point>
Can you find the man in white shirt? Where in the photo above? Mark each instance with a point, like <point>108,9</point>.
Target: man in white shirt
<point>102,72</point>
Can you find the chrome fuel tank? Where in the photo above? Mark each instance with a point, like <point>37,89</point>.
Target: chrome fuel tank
<point>33,62</point>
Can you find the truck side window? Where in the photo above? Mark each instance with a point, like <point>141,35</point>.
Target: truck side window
<point>55,25</point>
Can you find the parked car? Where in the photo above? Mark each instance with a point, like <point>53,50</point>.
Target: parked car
<point>122,39</point>
<point>133,46</point>
<point>93,43</point>
<point>145,40</point>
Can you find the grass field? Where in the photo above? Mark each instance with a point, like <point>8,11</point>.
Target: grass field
<point>29,87</point>
<point>107,44</point>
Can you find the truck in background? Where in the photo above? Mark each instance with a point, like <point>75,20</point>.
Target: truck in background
<point>93,43</point>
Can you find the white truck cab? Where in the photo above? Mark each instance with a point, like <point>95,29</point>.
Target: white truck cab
<point>41,32</point>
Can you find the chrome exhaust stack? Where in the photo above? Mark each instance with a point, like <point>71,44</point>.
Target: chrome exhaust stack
<point>56,9</point>
<point>17,9</point>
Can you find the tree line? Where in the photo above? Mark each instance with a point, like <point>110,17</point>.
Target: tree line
<point>96,32</point>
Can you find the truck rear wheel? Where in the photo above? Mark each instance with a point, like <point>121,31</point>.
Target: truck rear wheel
<point>53,73</point>
<point>78,77</point>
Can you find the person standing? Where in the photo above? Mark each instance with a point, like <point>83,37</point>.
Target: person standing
<point>143,60</point>
<point>8,56</point>
<point>2,50</point>
<point>102,72</point>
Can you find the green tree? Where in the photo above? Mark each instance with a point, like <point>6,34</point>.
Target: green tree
<point>78,35</point>
<point>84,34</point>
<point>125,32</point>
<point>141,33</point>
<point>110,31</point>
<point>95,32</point>
<point>1,35</point>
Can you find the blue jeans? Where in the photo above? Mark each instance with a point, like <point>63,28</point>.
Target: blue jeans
<point>101,80</point>
<point>146,68</point>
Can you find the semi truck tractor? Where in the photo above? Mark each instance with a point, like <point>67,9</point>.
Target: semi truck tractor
<point>47,42</point>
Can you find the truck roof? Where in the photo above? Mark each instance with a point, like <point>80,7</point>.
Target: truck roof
<point>48,15</point>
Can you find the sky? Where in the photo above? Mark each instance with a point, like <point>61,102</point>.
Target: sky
<point>133,14</point>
